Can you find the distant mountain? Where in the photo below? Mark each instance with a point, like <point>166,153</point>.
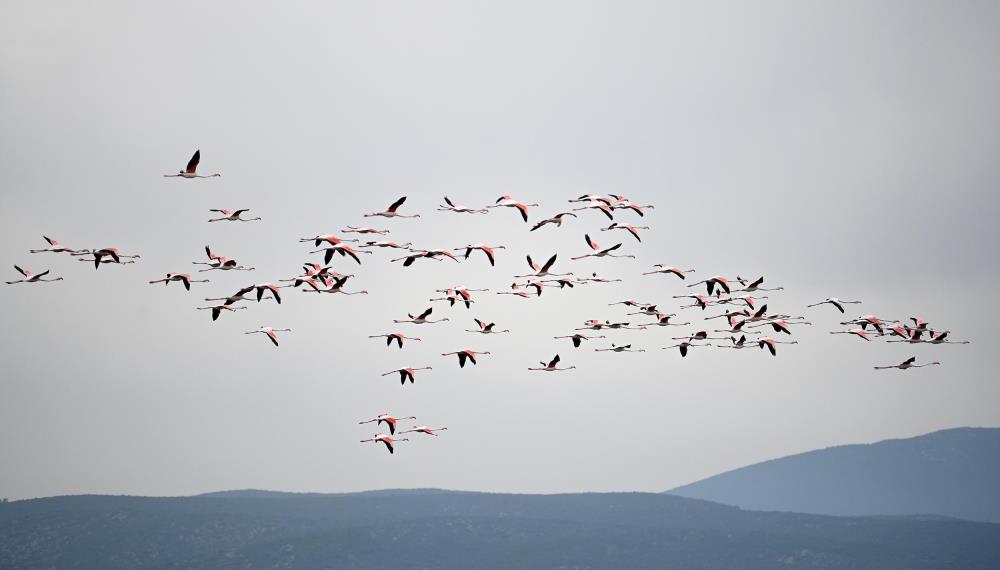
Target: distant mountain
<point>439,529</point>
<point>954,473</point>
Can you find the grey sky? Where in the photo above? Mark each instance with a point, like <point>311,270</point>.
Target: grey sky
<point>839,148</point>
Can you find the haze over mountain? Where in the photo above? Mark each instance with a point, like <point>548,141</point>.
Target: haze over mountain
<point>953,472</point>
<point>442,529</point>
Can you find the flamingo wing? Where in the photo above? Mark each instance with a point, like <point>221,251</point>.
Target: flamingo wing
<point>548,264</point>
<point>396,204</point>
<point>192,165</point>
<point>593,245</point>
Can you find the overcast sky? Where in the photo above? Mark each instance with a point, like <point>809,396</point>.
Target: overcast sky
<point>838,148</point>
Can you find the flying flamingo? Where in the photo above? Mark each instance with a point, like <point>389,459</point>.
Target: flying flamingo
<point>592,198</point>
<point>235,297</point>
<point>396,336</point>
<point>736,344</point>
<point>423,429</point>
<point>835,302</point>
<point>599,206</point>
<point>344,250</point>
<point>579,337</point>
<point>107,252</point>
<point>506,201</point>
<point>391,211</point>
<point>435,254</point>
<point>184,278</point>
<point>458,294</point>
<point>906,364</point>
<point>406,373</point>
<point>595,278</point>
<point>517,290</point>
<point>191,170</point>
<point>634,230</point>
<point>487,249</point>
<point>386,439</point>
<point>551,366</point>
<point>623,204</point>
<point>859,332</point>
<point>366,230</point>
<point>234,216</point>
<point>544,270</point>
<point>30,277</point>
<point>615,348</point>
<point>711,282</point>
<point>421,318</point>
<point>328,238</point>
<point>54,247</point>
<point>564,282</point>
<point>389,244</point>
<point>663,268</point>
<point>779,325</point>
<point>217,310</point>
<point>699,301</point>
<point>389,420</point>
<point>629,303</point>
<point>485,328</point>
<point>683,347</point>
<point>750,287</point>
<point>335,285</point>
<point>663,320</point>
<point>464,355</point>
<point>557,220</point>
<point>451,206</point>
<point>270,332</point>
<point>770,343</point>
<point>598,252</point>
<point>867,320</point>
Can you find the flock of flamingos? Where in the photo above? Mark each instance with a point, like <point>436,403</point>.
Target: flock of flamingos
<point>746,318</point>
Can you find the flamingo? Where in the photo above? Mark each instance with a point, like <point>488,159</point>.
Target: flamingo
<point>389,244</point>
<point>629,303</point>
<point>577,338</point>
<point>623,204</point>
<point>389,420</point>
<point>683,347</point>
<point>396,336</point>
<point>235,297</point>
<point>556,220</point>
<point>598,252</point>
<point>861,333</point>
<point>365,230</point>
<point>487,249</point>
<point>30,277</point>
<point>599,206</point>
<point>464,355</point>
<point>906,364</point>
<point>616,348</point>
<point>835,302</point>
<point>435,254</point>
<point>391,211</point>
<point>344,250</point>
<point>336,285</point>
<point>107,252</point>
<point>423,429</point>
<point>592,198</point>
<point>634,230</point>
<point>406,373</point>
<point>663,268</point>
<point>220,262</point>
<point>184,278</point>
<point>649,310</point>
<point>595,278</point>
<point>779,325</point>
<point>451,206</point>
<point>54,247</point>
<point>867,320</point>
<point>663,320</point>
<point>564,282</point>
<point>699,301</point>
<point>750,287</point>
<point>551,366</point>
<point>700,335</point>
<point>736,344</point>
<point>421,318</point>
<point>271,333</point>
<point>191,170</point>
<point>731,315</point>
<point>733,328</point>
<point>485,328</point>
<point>217,310</point>
<point>458,294</point>
<point>265,287</point>
<point>516,289</point>
<point>544,270</point>
<point>387,440</point>
<point>711,282</point>
<point>770,343</point>
<point>750,301</point>
<point>233,216</point>
<point>328,238</point>
<point>506,201</point>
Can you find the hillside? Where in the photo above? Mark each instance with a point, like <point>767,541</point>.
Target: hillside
<point>953,472</point>
<point>440,529</point>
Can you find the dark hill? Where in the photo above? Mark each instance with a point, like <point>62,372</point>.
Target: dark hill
<point>954,472</point>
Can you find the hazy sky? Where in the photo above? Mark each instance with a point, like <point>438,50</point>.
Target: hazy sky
<point>838,148</point>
